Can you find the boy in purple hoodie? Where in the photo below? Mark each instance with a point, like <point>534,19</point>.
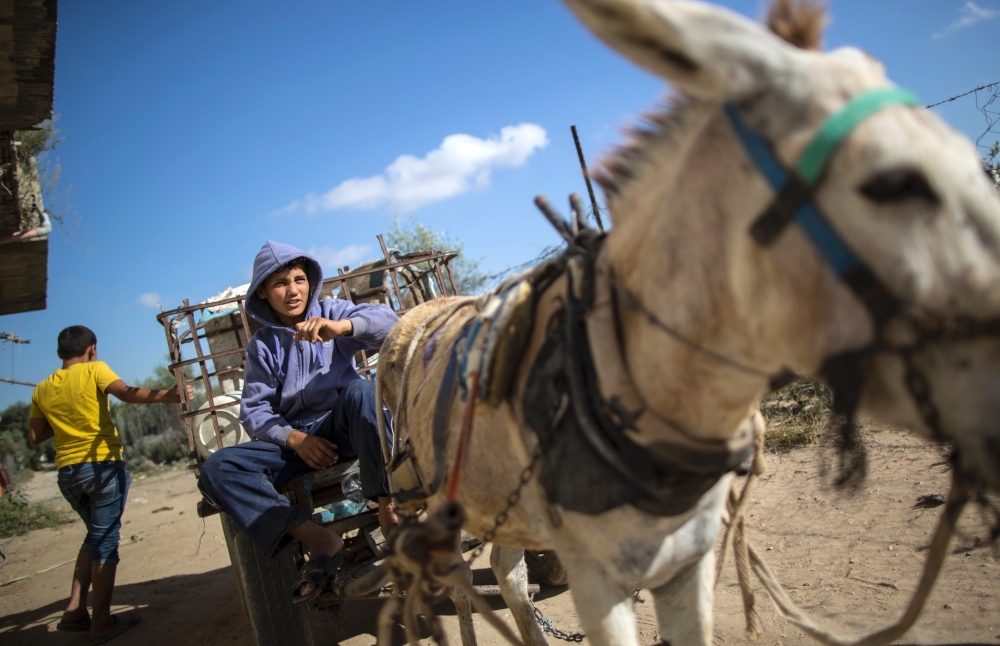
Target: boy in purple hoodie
<point>305,405</point>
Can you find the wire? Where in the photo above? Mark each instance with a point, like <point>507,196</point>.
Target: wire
<point>989,86</point>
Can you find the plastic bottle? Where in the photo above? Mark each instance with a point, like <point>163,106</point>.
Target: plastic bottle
<point>350,484</point>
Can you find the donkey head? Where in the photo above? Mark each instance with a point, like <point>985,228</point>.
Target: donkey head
<point>903,191</point>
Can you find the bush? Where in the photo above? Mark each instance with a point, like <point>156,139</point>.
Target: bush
<point>152,432</point>
<point>18,516</point>
<point>14,438</point>
<point>165,449</point>
<point>797,414</point>
<point>414,236</point>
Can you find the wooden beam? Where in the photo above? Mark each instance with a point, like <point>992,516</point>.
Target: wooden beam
<point>23,276</point>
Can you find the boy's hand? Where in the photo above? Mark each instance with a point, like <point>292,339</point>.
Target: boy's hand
<point>319,329</point>
<point>314,451</point>
<point>173,395</point>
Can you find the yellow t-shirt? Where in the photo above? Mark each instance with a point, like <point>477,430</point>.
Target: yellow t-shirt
<point>75,404</point>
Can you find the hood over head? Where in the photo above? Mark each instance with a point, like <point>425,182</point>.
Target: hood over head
<point>270,257</point>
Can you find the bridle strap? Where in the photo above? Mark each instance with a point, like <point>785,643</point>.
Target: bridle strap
<point>814,159</point>
<point>796,188</point>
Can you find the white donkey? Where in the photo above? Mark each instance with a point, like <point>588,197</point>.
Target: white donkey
<point>877,266</point>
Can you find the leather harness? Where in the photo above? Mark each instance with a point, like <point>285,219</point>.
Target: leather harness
<point>584,411</point>
<point>900,329</point>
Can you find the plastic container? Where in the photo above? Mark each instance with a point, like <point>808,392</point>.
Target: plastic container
<point>350,484</point>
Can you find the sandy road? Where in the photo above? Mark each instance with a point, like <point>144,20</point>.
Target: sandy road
<point>851,559</point>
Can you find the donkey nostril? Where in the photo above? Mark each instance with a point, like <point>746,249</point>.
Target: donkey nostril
<point>898,185</point>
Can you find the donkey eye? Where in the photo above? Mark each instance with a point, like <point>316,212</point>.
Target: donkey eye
<point>899,185</point>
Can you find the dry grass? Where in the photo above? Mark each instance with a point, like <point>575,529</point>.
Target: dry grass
<point>797,414</point>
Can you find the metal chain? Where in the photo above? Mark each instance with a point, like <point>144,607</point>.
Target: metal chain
<point>512,499</point>
<point>549,628</point>
<point>920,392</point>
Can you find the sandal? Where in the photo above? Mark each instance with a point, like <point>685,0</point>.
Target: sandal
<point>122,624</point>
<point>318,571</point>
<point>78,626</point>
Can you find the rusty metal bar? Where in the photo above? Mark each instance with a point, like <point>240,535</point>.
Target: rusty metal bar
<point>181,380</point>
<point>350,299</point>
<point>357,272</point>
<point>374,270</point>
<point>241,306</point>
<point>207,357</point>
<point>200,306</point>
<point>586,177</point>
<point>344,287</point>
<point>451,278</point>
<point>204,373</point>
<point>440,278</point>
<point>220,331</point>
<point>209,409</point>
<point>217,373</point>
<point>392,271</point>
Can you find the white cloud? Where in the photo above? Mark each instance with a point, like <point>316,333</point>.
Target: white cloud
<point>969,14</point>
<point>329,259</point>
<point>460,164</point>
<point>150,299</point>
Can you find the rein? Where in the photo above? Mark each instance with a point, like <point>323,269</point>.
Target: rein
<point>749,561</point>
<point>899,328</point>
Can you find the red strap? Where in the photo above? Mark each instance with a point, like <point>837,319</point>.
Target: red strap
<point>463,439</point>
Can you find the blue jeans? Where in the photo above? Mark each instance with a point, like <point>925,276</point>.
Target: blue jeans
<point>97,491</point>
<point>241,479</point>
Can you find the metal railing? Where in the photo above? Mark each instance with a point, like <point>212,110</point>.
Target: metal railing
<point>420,271</point>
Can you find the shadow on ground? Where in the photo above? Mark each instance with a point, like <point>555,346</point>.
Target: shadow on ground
<point>205,609</point>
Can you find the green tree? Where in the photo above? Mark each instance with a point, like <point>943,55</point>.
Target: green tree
<point>152,431</point>
<point>39,173</point>
<point>412,236</point>
<point>14,438</point>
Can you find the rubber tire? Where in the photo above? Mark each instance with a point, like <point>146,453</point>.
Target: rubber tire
<point>265,586</point>
<point>545,567</point>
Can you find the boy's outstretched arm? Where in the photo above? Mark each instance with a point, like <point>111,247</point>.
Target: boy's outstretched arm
<point>133,395</point>
<point>39,430</point>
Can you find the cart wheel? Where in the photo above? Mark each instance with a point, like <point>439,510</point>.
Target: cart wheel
<point>265,587</point>
<point>545,567</point>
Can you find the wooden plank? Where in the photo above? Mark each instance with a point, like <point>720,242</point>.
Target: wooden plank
<point>10,198</point>
<point>23,276</point>
<point>27,77</point>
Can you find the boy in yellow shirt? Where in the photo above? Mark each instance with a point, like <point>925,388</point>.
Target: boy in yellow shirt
<point>71,405</point>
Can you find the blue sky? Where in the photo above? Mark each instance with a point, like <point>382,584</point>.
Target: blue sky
<point>194,131</point>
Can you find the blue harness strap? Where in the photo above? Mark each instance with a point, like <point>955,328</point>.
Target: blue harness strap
<point>795,188</point>
<point>823,237</point>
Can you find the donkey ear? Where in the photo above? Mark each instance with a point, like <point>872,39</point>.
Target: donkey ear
<point>703,50</point>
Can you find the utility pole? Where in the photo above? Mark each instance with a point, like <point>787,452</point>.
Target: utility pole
<point>12,340</point>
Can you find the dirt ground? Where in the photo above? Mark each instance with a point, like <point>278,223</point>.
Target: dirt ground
<point>850,559</point>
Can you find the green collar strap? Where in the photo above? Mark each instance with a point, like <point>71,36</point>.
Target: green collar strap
<point>830,135</point>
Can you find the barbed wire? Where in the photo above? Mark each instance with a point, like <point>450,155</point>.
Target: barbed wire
<point>990,108</point>
<point>990,86</point>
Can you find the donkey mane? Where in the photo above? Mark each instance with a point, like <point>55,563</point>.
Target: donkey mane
<point>627,162</point>
<point>799,22</point>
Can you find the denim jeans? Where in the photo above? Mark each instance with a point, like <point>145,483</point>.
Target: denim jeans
<point>97,491</point>
<point>241,479</point>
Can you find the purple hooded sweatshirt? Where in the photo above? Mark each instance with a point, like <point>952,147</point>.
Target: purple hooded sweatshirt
<point>289,384</point>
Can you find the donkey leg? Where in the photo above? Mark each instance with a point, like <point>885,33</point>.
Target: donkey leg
<point>684,604</point>
<point>463,608</point>
<point>604,604</point>
<point>512,575</point>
